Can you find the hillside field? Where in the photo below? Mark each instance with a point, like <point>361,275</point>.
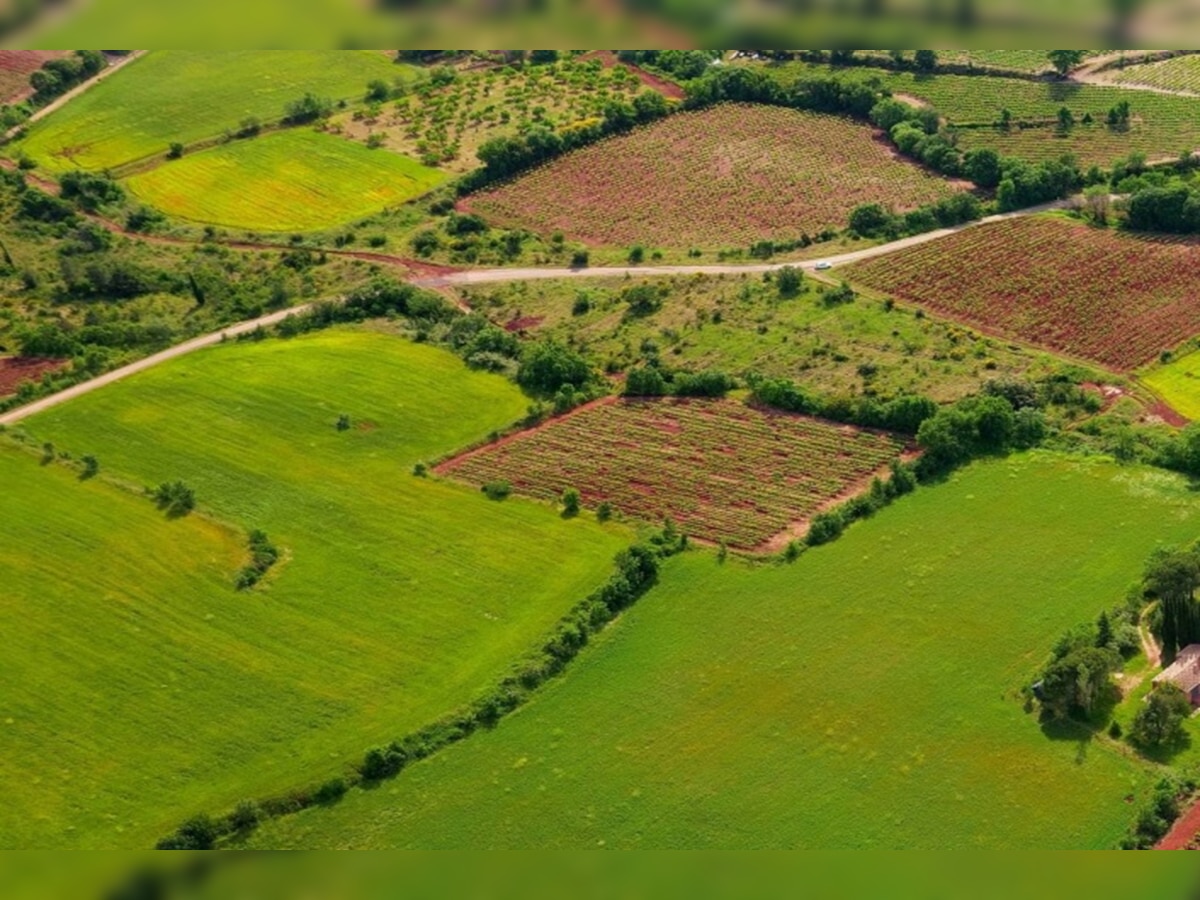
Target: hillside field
<point>721,470</point>
<point>1115,299</point>
<point>1178,382</point>
<point>1179,73</point>
<point>294,180</point>
<point>739,323</point>
<point>185,96</point>
<point>721,177</point>
<point>867,695</point>
<point>160,690</point>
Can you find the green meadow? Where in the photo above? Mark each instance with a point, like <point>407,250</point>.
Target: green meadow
<point>1178,383</point>
<point>865,696</point>
<point>185,96</point>
<point>141,687</point>
<point>295,180</point>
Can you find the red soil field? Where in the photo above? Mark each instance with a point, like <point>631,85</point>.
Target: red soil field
<point>1100,295</point>
<point>15,369</point>
<point>720,469</point>
<point>718,178</point>
<point>15,68</point>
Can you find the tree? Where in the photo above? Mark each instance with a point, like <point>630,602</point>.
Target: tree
<point>543,57</point>
<point>1172,576</point>
<point>889,113</point>
<point>570,502</point>
<point>1066,119</point>
<point>1097,201</point>
<point>308,108</point>
<point>925,60</point>
<point>548,365</point>
<point>982,166</point>
<point>175,498</point>
<point>1065,60</point>
<point>1074,682</point>
<point>645,381</point>
<point>788,281</point>
<point>90,467</point>
<point>1160,721</point>
<point>378,91</point>
<point>870,219</point>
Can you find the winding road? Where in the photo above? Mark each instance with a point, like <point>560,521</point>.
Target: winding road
<point>491,276</point>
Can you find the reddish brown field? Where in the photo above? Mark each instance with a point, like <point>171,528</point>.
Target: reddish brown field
<point>15,68</point>
<point>721,470</point>
<point>15,369</point>
<point>1115,299</point>
<point>718,178</point>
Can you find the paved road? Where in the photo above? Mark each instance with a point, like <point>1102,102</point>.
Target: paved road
<point>491,276</point>
<point>16,415</point>
<point>488,276</point>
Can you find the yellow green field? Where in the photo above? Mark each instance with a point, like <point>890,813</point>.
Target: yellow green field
<point>1178,383</point>
<point>185,96</point>
<point>295,180</point>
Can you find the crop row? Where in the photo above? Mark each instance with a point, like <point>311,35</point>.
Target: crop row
<point>1180,73</point>
<point>720,470</point>
<point>1116,299</point>
<point>726,176</point>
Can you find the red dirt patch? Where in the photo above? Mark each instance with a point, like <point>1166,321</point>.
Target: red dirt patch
<point>523,323</point>
<point>668,89</point>
<point>1183,833</point>
<point>15,369</point>
<point>15,68</point>
<point>652,459</point>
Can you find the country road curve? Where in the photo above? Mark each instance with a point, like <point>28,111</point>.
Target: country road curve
<point>492,276</point>
<point>16,415</point>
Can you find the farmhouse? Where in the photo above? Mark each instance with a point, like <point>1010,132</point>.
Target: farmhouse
<point>1184,672</point>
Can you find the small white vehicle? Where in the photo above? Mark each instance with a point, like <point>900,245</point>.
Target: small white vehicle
<point>822,265</point>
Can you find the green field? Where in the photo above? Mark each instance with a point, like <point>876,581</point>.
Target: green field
<point>185,96</point>
<point>865,696</point>
<point>1178,383</point>
<point>739,324</point>
<point>295,180</point>
<point>141,688</point>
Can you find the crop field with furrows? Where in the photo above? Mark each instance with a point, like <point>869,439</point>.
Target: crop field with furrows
<point>15,68</point>
<point>721,177</point>
<point>294,180</point>
<point>1116,299</point>
<point>1180,73</point>
<point>866,696</point>
<point>185,96</point>
<point>722,471</point>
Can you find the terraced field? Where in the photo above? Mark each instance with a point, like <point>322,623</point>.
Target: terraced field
<point>721,470</point>
<point>295,180</point>
<point>722,177</point>
<point>865,696</point>
<point>1180,73</point>
<point>185,96</point>
<point>1116,299</point>
<point>142,687</point>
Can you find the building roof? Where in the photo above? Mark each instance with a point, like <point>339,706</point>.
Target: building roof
<point>1185,671</point>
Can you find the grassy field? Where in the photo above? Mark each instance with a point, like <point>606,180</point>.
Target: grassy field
<point>295,180</point>
<point>1178,382</point>
<point>865,696</point>
<point>739,324</point>
<point>397,598</point>
<point>721,177</point>
<point>1117,299</point>
<point>721,470</point>
<point>178,95</point>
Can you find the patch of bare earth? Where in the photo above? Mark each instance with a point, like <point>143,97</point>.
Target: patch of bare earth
<point>16,369</point>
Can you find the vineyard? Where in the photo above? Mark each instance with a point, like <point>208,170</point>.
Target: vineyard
<point>726,176</point>
<point>1116,299</point>
<point>444,124</point>
<point>1180,73</point>
<point>719,469</point>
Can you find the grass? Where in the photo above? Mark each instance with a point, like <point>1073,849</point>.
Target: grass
<point>295,180</point>
<point>739,324</point>
<point>1177,383</point>
<point>149,694</point>
<point>185,96</point>
<point>865,696</point>
<point>721,177</point>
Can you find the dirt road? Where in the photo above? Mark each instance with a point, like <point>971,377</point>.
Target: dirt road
<point>491,276</point>
<point>207,340</point>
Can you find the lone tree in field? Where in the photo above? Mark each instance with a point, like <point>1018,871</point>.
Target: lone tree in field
<point>1065,60</point>
<point>1159,723</point>
<point>571,501</point>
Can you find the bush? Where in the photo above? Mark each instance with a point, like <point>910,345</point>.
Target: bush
<point>1160,721</point>
<point>546,366</point>
<point>198,833</point>
<point>645,381</point>
<point>825,527</point>
<point>571,502</point>
<point>788,281</point>
<point>331,791</point>
<point>90,466</point>
<point>308,108</point>
<point>175,498</point>
<point>497,490</point>
<point>579,259</point>
<point>244,816</point>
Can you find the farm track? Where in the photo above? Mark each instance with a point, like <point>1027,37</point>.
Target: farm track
<point>440,278</point>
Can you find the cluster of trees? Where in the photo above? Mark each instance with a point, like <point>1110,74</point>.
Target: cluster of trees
<point>379,298</point>
<point>682,64</point>
<point>903,414</point>
<point>829,525</point>
<point>57,76</point>
<point>263,555</point>
<point>90,190</point>
<point>657,381</point>
<point>1171,578</point>
<point>976,426</point>
<point>1076,680</point>
<point>876,220</point>
<point>550,369</point>
<point>308,108</point>
<point>1171,205</point>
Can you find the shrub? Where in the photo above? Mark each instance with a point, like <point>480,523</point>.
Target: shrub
<point>571,502</point>
<point>579,259</point>
<point>343,422</point>
<point>788,281</point>
<point>331,791</point>
<point>497,490</point>
<point>604,511</point>
<point>824,528</point>
<point>175,498</point>
<point>1160,721</point>
<point>244,816</point>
